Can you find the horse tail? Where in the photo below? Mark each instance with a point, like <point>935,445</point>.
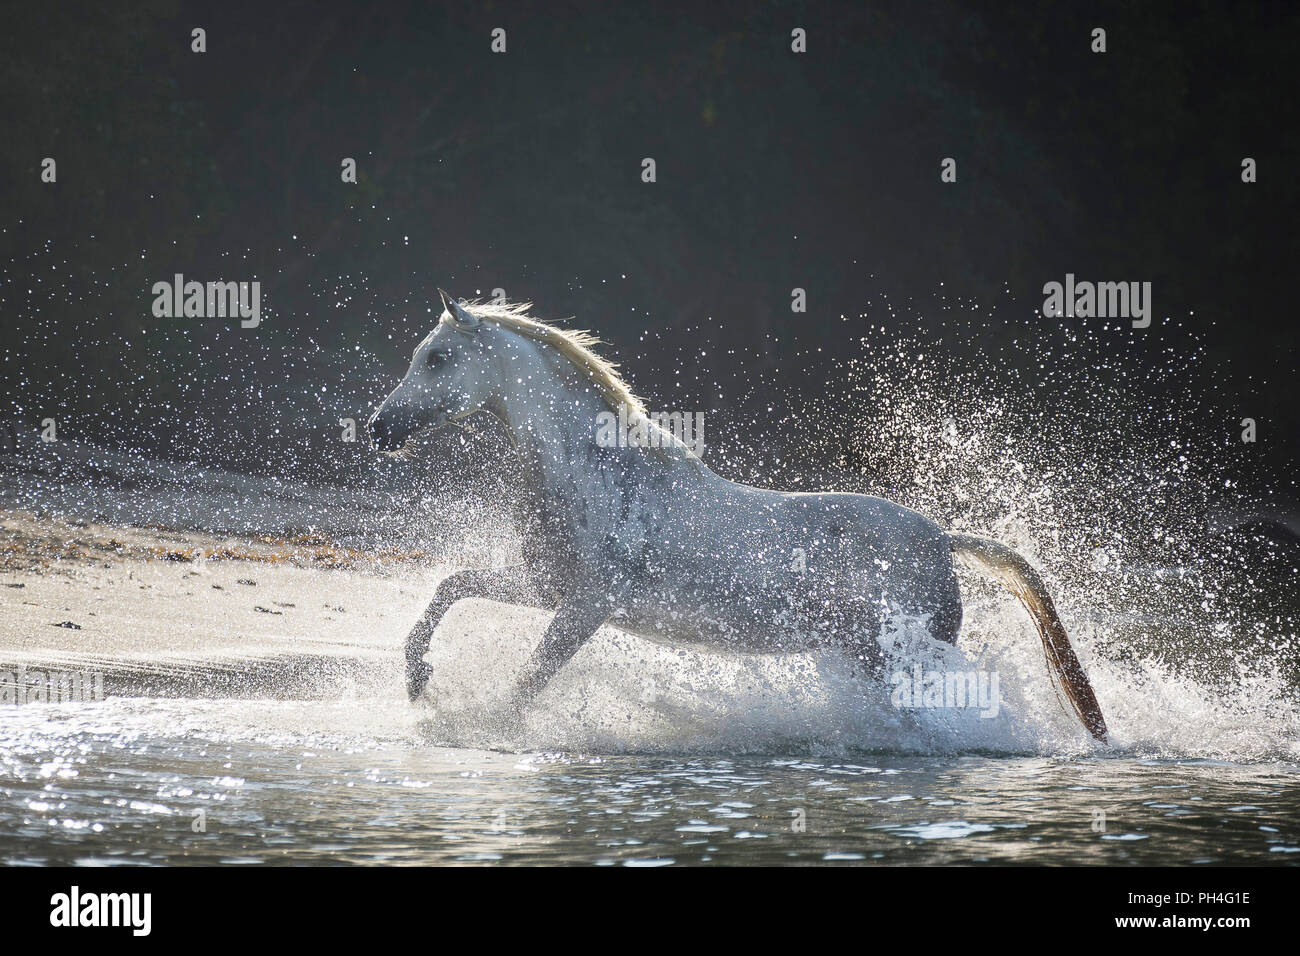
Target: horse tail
<point>1019,577</point>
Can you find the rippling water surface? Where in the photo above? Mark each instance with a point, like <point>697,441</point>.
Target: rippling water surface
<point>140,781</point>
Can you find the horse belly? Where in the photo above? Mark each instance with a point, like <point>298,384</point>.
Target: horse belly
<point>758,621</point>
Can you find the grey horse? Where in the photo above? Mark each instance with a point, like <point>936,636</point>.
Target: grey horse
<point>642,535</point>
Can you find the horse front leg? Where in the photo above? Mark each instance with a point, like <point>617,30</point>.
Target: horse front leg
<point>572,626</point>
<point>513,585</point>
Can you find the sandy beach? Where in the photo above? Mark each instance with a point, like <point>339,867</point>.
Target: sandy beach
<point>164,612</point>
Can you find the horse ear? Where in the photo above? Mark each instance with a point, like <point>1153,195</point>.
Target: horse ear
<point>462,316</point>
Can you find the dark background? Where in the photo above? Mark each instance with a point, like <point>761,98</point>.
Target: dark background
<point>522,171</point>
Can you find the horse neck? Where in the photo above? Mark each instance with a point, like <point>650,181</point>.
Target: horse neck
<point>550,415</point>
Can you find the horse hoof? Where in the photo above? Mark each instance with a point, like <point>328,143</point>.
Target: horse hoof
<point>417,677</point>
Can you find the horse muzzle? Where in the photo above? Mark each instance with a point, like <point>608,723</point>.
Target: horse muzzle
<point>383,437</point>
<point>386,435</point>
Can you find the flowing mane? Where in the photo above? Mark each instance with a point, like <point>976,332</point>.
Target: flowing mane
<point>574,344</point>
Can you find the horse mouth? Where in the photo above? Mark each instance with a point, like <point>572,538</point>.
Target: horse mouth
<point>388,444</point>
<point>385,443</point>
<point>383,438</point>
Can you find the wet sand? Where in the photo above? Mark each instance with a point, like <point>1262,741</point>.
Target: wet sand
<point>165,612</point>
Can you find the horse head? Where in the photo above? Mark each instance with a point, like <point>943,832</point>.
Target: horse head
<point>451,375</point>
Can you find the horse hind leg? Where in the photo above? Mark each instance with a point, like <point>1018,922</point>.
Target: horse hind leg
<point>928,589</point>
<point>946,614</point>
<point>942,619</point>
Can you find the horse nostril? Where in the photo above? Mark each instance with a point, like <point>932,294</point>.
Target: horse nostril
<point>378,432</point>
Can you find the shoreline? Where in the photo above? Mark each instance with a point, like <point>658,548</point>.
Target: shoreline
<point>164,612</point>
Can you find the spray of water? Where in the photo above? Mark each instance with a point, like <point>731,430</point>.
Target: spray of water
<point>1107,483</point>
<point>1108,480</point>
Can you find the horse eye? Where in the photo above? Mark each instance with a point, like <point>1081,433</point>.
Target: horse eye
<point>437,357</point>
